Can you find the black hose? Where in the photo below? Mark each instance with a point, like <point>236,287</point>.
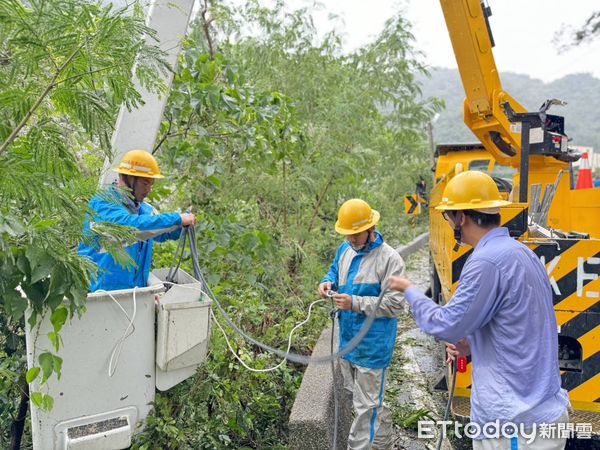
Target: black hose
<point>449,404</point>
<point>200,277</point>
<point>179,251</point>
<point>295,357</point>
<point>336,405</point>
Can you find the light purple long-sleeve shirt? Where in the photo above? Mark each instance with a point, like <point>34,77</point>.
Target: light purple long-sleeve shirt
<point>503,305</point>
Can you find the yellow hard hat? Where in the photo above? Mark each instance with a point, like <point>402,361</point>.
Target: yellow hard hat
<point>139,163</point>
<point>471,190</point>
<point>354,216</point>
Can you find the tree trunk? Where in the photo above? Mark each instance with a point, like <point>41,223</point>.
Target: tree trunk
<point>17,427</point>
<point>316,209</point>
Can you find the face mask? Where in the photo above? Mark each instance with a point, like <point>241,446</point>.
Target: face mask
<point>458,244</point>
<point>357,248</point>
<point>458,238</point>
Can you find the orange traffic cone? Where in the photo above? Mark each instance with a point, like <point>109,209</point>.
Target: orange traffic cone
<point>584,179</point>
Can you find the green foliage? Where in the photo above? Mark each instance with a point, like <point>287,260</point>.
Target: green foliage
<point>163,431</point>
<point>409,418</point>
<point>268,129</point>
<point>225,406</point>
<point>265,135</point>
<point>32,374</point>
<point>11,366</point>
<point>42,401</point>
<point>65,69</point>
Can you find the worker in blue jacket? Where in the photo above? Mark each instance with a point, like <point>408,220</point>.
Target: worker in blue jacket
<point>124,205</point>
<point>362,266</point>
<point>502,315</point>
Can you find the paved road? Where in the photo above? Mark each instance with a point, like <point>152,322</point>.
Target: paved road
<point>417,362</point>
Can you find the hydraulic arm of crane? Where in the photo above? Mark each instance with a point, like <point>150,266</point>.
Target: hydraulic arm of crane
<point>492,114</point>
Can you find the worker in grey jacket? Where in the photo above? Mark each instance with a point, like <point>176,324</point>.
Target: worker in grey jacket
<point>361,268</point>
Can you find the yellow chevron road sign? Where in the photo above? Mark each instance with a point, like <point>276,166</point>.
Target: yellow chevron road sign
<point>412,204</point>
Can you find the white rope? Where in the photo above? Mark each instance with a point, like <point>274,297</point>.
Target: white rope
<point>269,369</point>
<point>116,352</point>
<point>288,348</point>
<point>302,359</point>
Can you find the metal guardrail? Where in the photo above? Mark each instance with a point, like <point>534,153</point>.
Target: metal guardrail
<point>413,246</point>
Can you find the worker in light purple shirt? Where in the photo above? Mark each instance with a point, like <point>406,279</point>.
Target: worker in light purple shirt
<point>501,314</point>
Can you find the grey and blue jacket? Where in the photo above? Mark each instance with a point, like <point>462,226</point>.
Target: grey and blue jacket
<point>114,207</point>
<point>361,275</point>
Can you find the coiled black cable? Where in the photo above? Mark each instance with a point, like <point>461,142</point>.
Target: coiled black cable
<point>295,357</point>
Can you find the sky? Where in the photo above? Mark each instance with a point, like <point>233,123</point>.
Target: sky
<point>523,30</point>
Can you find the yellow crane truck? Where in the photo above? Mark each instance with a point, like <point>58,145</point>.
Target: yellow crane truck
<point>528,156</point>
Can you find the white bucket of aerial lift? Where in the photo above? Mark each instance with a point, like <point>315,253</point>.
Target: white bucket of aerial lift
<point>93,410</point>
<point>182,329</point>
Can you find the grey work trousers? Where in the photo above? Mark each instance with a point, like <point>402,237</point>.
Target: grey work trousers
<point>553,442</point>
<point>372,425</point>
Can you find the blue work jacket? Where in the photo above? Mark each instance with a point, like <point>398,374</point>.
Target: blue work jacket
<point>361,275</point>
<point>503,306</point>
<point>114,207</point>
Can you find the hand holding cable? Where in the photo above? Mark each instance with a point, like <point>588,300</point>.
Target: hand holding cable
<point>461,349</point>
<point>458,353</point>
<point>342,301</point>
<point>325,289</point>
<point>187,219</point>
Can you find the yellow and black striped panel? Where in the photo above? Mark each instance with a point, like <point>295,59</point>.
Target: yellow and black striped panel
<point>573,266</point>
<point>574,270</point>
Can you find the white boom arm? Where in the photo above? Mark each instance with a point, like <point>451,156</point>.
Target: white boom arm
<point>137,129</point>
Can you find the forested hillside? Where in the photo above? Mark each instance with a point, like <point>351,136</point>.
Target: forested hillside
<point>580,91</point>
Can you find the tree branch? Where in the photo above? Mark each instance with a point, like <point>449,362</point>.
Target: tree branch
<point>90,72</point>
<point>316,209</point>
<point>33,33</point>
<point>206,27</point>
<point>189,124</point>
<point>165,136</point>
<point>18,425</point>
<point>285,198</point>
<point>39,101</point>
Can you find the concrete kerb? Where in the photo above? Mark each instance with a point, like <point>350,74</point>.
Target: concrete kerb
<point>311,419</point>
